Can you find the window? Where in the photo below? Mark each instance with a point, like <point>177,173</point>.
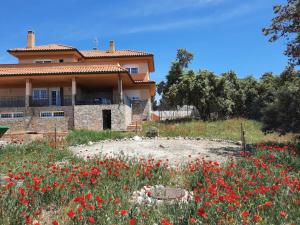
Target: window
<point>6,115</point>
<point>52,114</point>
<point>18,115</point>
<point>133,70</point>
<point>11,115</point>
<point>45,114</point>
<point>43,61</point>
<point>59,114</point>
<point>61,60</point>
<point>40,94</point>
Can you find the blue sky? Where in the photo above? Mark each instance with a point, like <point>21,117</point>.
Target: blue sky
<point>222,34</point>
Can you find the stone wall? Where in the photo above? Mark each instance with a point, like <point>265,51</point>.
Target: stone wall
<point>34,123</point>
<point>90,116</point>
<point>141,110</point>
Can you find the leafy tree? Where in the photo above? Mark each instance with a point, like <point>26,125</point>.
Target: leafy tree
<point>286,24</point>
<point>184,57</point>
<point>283,114</point>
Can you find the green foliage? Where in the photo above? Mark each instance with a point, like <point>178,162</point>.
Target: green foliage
<point>221,129</point>
<point>286,24</point>
<point>283,114</point>
<point>77,137</point>
<point>274,100</point>
<point>152,132</point>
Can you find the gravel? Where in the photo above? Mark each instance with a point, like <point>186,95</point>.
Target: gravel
<point>177,150</point>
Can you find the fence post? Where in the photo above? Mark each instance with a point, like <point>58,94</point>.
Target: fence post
<point>136,125</point>
<point>243,139</point>
<point>55,136</point>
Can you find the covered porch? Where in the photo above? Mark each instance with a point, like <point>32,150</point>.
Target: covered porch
<point>60,90</point>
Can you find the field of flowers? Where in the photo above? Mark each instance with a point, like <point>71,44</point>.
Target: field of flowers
<point>260,187</point>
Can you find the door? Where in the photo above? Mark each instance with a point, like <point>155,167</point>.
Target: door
<point>54,97</point>
<point>106,114</point>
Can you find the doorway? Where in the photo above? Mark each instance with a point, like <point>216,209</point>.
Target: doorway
<point>54,99</point>
<point>106,114</point>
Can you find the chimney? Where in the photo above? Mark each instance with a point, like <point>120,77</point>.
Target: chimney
<point>30,39</point>
<point>112,47</point>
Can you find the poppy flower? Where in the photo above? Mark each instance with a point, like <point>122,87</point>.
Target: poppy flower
<point>132,222</point>
<point>55,222</point>
<point>91,219</point>
<point>245,214</point>
<point>71,213</point>
<point>283,214</point>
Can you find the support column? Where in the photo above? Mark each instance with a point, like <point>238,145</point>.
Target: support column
<point>74,90</point>
<point>28,92</point>
<point>120,90</point>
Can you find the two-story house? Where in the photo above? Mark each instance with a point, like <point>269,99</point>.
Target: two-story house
<point>60,86</point>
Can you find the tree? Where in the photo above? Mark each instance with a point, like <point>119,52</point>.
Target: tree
<point>286,24</point>
<point>283,114</point>
<point>184,57</point>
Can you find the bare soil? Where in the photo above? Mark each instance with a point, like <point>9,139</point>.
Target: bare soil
<point>177,151</point>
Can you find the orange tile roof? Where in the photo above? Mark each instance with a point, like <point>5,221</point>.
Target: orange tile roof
<point>51,47</point>
<point>116,53</point>
<point>57,69</point>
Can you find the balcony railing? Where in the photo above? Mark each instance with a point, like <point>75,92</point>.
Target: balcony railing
<point>94,101</point>
<point>7,101</point>
<point>65,101</point>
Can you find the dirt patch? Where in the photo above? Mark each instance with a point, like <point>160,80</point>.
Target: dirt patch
<point>177,151</point>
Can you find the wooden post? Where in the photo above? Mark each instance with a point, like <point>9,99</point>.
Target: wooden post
<point>136,127</point>
<point>243,139</point>
<point>55,137</point>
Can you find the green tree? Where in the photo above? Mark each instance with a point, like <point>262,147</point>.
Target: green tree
<point>184,57</point>
<point>283,114</point>
<point>286,23</point>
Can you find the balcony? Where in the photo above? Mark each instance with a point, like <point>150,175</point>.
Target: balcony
<point>15,101</point>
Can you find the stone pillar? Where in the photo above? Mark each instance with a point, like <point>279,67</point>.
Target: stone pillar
<point>149,109</point>
<point>120,90</point>
<point>28,92</point>
<point>74,90</point>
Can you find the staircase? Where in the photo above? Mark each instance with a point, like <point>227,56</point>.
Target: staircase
<point>134,126</point>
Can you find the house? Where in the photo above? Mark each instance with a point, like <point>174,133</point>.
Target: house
<point>60,87</point>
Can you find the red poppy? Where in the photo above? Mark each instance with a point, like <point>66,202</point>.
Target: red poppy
<point>283,214</point>
<point>91,219</point>
<point>55,222</point>
<point>132,222</point>
<point>245,214</point>
<point>123,212</point>
<point>71,213</point>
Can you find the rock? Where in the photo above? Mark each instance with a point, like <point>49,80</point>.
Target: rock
<point>4,179</point>
<point>3,144</point>
<point>90,143</point>
<point>137,138</point>
<point>238,143</point>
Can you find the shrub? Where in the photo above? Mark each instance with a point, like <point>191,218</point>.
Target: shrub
<point>152,132</point>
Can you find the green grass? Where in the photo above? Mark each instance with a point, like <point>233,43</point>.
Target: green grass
<point>222,129</point>
<point>76,137</point>
<point>13,156</point>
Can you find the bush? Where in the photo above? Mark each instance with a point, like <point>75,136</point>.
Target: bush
<point>152,132</point>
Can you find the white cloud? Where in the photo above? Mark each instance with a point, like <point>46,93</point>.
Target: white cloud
<point>200,21</point>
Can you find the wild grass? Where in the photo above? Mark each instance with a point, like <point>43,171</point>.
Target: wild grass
<point>12,156</point>
<point>77,137</point>
<point>223,129</point>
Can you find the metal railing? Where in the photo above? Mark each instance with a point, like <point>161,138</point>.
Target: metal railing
<point>65,101</point>
<point>15,101</point>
